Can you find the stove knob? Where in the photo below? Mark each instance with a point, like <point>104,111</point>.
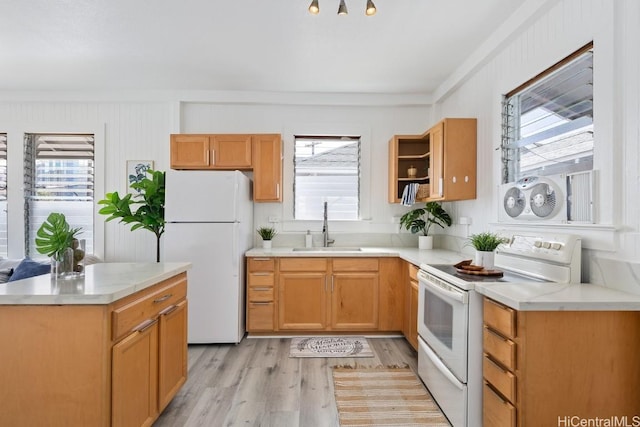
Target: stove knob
<point>546,245</point>
<point>537,243</point>
<point>556,246</point>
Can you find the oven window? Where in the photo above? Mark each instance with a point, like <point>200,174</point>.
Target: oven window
<point>438,318</point>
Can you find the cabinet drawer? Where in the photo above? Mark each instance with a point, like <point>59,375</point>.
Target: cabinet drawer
<point>413,272</point>
<point>496,412</point>
<point>355,264</point>
<point>260,316</point>
<point>501,379</point>
<point>129,316</point>
<point>303,264</point>
<point>261,264</point>
<point>499,348</point>
<point>500,318</point>
<point>261,294</point>
<point>261,278</point>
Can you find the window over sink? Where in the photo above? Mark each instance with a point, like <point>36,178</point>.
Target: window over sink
<point>327,168</point>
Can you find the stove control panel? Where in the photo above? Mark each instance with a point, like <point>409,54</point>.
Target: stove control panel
<point>553,247</point>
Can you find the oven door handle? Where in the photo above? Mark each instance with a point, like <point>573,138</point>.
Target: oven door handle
<point>459,296</point>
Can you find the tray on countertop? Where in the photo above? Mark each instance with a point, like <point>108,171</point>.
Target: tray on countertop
<point>465,267</point>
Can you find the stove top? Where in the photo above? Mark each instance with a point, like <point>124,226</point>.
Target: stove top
<point>508,276</point>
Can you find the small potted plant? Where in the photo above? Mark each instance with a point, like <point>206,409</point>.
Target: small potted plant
<point>485,245</point>
<point>57,240</point>
<point>420,221</point>
<point>267,234</point>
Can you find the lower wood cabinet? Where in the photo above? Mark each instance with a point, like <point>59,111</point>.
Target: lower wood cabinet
<point>115,364</point>
<point>410,326</point>
<point>326,294</point>
<point>545,367</point>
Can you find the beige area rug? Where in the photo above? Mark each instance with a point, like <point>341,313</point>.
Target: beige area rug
<point>330,347</point>
<point>384,397</point>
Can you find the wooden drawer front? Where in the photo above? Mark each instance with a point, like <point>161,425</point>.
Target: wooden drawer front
<point>303,264</point>
<point>355,264</point>
<point>261,264</point>
<point>500,349</point>
<point>500,318</point>
<point>130,316</point>
<point>260,316</point>
<point>413,272</point>
<point>496,412</point>
<point>261,293</point>
<point>261,278</point>
<point>501,379</point>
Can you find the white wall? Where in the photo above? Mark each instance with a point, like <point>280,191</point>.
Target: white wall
<point>560,28</point>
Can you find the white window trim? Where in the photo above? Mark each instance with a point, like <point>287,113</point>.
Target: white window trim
<point>15,178</point>
<point>290,224</point>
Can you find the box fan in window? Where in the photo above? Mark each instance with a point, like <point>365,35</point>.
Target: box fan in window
<point>554,198</point>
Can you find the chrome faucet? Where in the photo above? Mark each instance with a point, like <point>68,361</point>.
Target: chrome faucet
<point>326,241</point>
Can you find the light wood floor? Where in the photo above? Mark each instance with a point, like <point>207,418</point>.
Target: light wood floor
<point>255,383</point>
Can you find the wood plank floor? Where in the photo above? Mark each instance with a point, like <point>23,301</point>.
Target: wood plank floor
<point>255,383</point>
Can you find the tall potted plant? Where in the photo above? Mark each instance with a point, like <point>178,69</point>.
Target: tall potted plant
<point>420,221</point>
<point>148,204</point>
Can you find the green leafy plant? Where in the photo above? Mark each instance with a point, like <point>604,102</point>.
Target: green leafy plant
<point>267,233</point>
<point>420,220</point>
<point>148,212</point>
<point>486,241</point>
<point>55,235</point>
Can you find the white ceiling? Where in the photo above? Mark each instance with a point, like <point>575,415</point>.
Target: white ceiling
<point>408,47</point>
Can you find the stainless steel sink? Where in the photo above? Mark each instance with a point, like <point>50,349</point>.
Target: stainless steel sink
<point>328,249</point>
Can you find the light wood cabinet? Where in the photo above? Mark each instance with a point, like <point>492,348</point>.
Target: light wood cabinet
<point>225,152</point>
<point>542,366</point>
<point>325,294</point>
<point>445,159</point>
<point>410,327</point>
<point>115,364</point>
<point>261,153</point>
<point>267,168</point>
<point>260,294</point>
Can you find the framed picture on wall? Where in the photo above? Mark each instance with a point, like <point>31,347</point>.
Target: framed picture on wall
<point>136,172</point>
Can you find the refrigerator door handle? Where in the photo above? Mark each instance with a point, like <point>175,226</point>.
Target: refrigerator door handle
<point>234,247</point>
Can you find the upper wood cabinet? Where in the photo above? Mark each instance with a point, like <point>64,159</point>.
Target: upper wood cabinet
<point>444,158</point>
<point>261,153</point>
<point>226,152</point>
<point>267,168</point>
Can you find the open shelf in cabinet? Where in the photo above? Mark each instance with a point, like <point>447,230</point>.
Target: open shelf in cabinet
<point>405,152</point>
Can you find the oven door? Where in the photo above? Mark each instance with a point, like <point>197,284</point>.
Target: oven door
<point>443,318</point>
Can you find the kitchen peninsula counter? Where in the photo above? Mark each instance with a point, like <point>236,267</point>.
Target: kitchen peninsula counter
<point>104,350</point>
<point>103,283</point>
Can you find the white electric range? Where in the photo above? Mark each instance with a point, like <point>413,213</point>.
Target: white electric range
<point>450,315</point>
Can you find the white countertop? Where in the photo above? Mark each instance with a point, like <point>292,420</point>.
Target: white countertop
<point>413,255</point>
<point>103,283</point>
<point>559,297</point>
<point>520,296</point>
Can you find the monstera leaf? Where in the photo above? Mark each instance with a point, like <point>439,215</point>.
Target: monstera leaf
<point>55,235</point>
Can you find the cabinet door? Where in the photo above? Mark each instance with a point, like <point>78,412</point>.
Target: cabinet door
<point>190,152</point>
<point>134,389</point>
<point>267,168</point>
<point>436,171</point>
<point>302,301</point>
<point>413,315</point>
<point>172,354</point>
<point>231,151</point>
<point>354,301</point>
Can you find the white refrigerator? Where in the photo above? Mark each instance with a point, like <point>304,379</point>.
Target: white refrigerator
<point>209,218</point>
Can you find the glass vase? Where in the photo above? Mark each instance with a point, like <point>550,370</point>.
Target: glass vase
<point>62,265</point>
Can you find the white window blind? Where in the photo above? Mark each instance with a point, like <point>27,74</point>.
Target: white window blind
<point>3,195</point>
<point>327,168</point>
<point>59,177</point>
<point>548,122</point>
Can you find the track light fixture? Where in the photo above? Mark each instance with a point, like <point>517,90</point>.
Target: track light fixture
<point>314,8</point>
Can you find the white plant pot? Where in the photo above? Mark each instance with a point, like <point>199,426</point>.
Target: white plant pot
<point>266,244</point>
<point>425,242</point>
<point>485,259</point>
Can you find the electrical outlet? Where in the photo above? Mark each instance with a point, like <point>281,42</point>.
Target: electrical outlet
<point>465,220</point>
<point>274,219</point>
